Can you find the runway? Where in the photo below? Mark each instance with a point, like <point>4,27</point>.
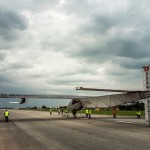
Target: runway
<point>37,130</point>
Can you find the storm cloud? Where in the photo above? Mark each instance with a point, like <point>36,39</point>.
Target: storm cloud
<point>52,46</point>
<point>10,24</point>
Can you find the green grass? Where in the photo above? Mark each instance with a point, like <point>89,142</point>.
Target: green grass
<point>103,112</point>
<point>119,112</point>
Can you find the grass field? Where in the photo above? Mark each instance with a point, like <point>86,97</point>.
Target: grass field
<point>104,112</point>
<point>119,112</point>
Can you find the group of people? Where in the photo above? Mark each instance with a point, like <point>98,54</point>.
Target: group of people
<point>60,111</point>
<point>138,113</point>
<point>88,113</point>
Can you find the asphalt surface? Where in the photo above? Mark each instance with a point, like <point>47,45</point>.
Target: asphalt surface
<point>36,130</point>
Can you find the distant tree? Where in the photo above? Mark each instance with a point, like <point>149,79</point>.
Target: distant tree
<point>139,106</point>
<point>44,107</point>
<point>136,106</point>
<point>34,107</point>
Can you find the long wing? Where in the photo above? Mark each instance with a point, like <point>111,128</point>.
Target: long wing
<point>42,96</point>
<point>105,90</point>
<point>114,100</point>
<point>35,96</point>
<point>91,101</point>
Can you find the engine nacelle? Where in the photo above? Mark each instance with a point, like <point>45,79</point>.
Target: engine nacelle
<point>75,104</point>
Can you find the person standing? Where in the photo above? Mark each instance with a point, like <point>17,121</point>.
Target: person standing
<point>58,111</point>
<point>6,114</point>
<point>138,113</point>
<point>62,111</point>
<point>50,110</point>
<point>86,113</point>
<point>66,112</point>
<point>89,112</point>
<point>114,113</point>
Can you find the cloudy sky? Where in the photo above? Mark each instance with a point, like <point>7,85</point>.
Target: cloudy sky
<point>52,46</point>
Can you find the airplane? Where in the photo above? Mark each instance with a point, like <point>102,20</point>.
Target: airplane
<point>79,102</point>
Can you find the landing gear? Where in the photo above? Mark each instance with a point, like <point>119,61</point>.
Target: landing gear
<point>74,113</point>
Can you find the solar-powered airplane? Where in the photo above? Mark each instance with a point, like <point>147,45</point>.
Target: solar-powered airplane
<point>79,102</point>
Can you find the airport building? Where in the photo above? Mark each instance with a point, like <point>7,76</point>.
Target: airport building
<point>146,84</point>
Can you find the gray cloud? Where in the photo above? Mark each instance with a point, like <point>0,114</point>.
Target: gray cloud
<point>28,5</point>
<point>122,33</point>
<point>2,55</point>
<point>10,23</point>
<point>98,25</point>
<point>51,46</point>
<point>130,63</point>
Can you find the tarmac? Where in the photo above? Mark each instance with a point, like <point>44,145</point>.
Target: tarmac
<point>38,130</point>
<point>122,119</point>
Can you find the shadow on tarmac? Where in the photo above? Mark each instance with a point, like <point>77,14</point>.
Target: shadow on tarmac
<point>66,118</point>
<point>36,119</point>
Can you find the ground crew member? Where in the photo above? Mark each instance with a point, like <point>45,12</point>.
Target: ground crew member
<point>6,114</point>
<point>86,113</point>
<point>62,111</point>
<point>58,111</point>
<point>50,110</point>
<point>114,113</point>
<point>138,113</point>
<point>89,112</point>
<point>66,112</point>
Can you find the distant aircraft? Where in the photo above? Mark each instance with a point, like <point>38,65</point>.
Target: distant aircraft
<point>79,102</point>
